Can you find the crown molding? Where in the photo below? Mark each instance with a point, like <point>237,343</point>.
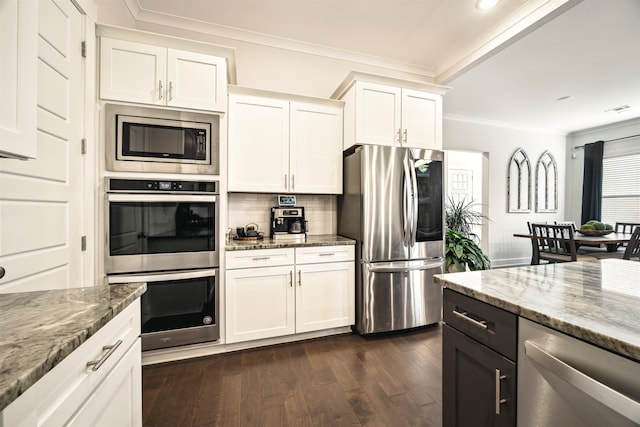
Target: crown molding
<point>526,19</point>
<point>144,15</point>
<point>504,125</point>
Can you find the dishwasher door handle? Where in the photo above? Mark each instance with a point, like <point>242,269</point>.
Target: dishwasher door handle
<point>614,400</point>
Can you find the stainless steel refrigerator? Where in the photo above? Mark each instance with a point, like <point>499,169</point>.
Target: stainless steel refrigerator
<point>392,205</point>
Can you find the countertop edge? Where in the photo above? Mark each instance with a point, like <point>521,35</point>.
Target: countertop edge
<point>606,342</point>
<point>71,343</point>
<point>267,243</point>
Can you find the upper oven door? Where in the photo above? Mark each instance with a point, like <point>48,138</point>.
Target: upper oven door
<point>149,232</point>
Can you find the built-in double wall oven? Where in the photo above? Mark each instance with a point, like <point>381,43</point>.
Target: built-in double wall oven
<point>165,233</point>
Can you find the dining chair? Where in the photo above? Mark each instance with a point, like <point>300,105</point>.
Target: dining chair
<point>625,227</point>
<point>554,243</point>
<point>633,247</point>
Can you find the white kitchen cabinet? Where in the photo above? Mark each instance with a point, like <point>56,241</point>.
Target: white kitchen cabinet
<point>148,74</point>
<point>314,293</point>
<point>75,394</point>
<point>391,112</point>
<point>259,303</point>
<point>282,145</point>
<point>19,72</point>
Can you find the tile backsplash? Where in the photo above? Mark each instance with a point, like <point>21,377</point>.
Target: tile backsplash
<point>320,211</point>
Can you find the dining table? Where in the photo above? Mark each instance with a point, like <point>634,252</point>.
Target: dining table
<point>611,241</point>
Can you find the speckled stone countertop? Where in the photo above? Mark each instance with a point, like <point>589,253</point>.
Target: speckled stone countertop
<point>596,301</point>
<point>39,329</point>
<point>267,243</point>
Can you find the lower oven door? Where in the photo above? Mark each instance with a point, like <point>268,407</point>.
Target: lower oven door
<point>178,308</point>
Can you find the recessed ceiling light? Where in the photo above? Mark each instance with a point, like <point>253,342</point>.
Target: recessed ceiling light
<point>564,98</point>
<point>486,4</point>
<point>620,109</point>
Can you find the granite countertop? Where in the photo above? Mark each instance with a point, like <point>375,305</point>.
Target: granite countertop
<point>596,301</point>
<point>267,243</point>
<point>39,329</point>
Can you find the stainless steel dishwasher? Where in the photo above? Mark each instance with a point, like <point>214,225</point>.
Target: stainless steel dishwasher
<point>566,382</point>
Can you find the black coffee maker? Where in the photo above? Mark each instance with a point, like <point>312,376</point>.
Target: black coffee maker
<point>288,223</point>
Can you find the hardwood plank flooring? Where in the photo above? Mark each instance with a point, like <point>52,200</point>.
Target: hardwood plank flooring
<point>346,380</point>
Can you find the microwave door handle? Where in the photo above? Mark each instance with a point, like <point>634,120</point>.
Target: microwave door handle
<point>115,197</point>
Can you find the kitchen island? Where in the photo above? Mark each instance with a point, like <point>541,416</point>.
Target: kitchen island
<point>42,331</point>
<point>528,345</point>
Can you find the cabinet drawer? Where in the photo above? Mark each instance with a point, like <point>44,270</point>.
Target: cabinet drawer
<point>54,399</point>
<point>259,258</point>
<point>318,254</point>
<point>494,327</point>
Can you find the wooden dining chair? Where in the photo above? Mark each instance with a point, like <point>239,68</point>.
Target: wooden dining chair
<point>625,227</point>
<point>554,243</point>
<point>633,247</point>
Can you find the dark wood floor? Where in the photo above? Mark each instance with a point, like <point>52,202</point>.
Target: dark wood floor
<point>346,380</point>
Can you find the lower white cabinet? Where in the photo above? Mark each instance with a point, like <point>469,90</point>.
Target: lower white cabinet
<point>76,394</point>
<point>265,300</point>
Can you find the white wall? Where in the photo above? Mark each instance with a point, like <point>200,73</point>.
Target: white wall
<point>500,143</point>
<point>575,159</point>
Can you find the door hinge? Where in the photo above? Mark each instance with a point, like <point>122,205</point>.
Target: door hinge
<point>83,145</point>
<point>83,243</point>
<point>83,49</point>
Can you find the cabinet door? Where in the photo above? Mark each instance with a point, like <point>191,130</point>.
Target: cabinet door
<point>18,69</point>
<point>132,72</point>
<point>421,119</point>
<point>258,144</point>
<point>117,401</point>
<point>195,80</point>
<point>324,296</point>
<point>377,114</point>
<point>259,303</point>
<point>470,373</point>
<point>315,149</point>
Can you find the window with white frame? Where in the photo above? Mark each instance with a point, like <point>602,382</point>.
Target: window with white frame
<point>621,188</point>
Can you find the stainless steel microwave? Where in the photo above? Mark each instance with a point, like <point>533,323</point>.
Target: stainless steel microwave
<point>140,139</point>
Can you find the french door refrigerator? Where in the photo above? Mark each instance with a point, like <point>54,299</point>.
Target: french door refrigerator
<point>392,205</point>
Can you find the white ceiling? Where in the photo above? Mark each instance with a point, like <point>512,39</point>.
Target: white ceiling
<point>507,65</point>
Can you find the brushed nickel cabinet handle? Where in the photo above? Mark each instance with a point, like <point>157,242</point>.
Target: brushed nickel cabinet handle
<point>299,278</point>
<point>293,182</point>
<point>405,136</point>
<point>159,89</point>
<point>327,254</point>
<point>291,278</point>
<point>170,95</point>
<point>482,324</point>
<point>98,363</point>
<point>286,182</point>
<point>261,258</point>
<point>499,401</point>
<point>399,136</point>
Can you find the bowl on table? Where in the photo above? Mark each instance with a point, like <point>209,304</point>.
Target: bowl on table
<point>594,232</point>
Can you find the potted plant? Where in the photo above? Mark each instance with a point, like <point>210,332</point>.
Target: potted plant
<point>462,252</point>
<point>461,248</point>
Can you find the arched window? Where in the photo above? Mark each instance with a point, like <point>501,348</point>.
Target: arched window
<point>546,183</point>
<point>519,182</point>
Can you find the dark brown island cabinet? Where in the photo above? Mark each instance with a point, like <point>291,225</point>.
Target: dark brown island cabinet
<point>479,355</point>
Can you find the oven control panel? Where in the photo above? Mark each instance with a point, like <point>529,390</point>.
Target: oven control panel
<point>151,185</point>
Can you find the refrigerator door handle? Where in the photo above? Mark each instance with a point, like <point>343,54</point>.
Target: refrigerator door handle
<point>414,200</point>
<point>391,268</point>
<point>407,218</point>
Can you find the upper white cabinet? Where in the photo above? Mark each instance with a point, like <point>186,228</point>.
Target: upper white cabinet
<point>148,74</point>
<point>18,77</point>
<point>387,112</point>
<point>283,145</point>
